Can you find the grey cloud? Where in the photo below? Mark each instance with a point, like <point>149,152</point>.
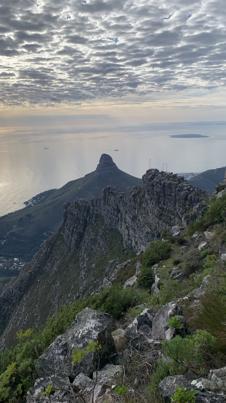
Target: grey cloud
<point>89,49</point>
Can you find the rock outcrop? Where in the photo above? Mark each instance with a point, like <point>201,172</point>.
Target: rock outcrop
<point>94,238</point>
<point>90,335</point>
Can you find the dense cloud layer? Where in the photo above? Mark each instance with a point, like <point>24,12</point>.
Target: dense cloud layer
<point>75,50</point>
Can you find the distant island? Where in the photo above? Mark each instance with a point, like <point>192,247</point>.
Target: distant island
<point>188,136</point>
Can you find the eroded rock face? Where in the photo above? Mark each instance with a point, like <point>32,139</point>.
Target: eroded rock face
<point>128,221</point>
<point>89,327</point>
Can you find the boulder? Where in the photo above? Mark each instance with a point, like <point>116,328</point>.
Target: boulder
<point>131,282</point>
<point>142,324</point>
<point>168,385</point>
<point>223,257</point>
<point>175,230</point>
<point>56,388</point>
<point>208,390</point>
<point>84,386</point>
<point>120,340</point>
<point>100,386</point>
<point>209,235</point>
<point>105,379</point>
<point>215,382</point>
<point>80,349</point>
<point>160,321</point>
<point>202,245</point>
<point>177,273</point>
<point>156,286</point>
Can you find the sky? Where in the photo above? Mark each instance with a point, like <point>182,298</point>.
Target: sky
<point>143,60</point>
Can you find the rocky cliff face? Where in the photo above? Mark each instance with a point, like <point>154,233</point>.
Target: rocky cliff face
<point>22,232</point>
<point>95,237</point>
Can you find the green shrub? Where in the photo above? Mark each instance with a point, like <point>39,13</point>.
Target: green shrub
<point>193,353</point>
<point>121,390</point>
<point>176,322</point>
<point>211,315</point>
<point>183,395</point>
<point>146,278</point>
<point>157,251</point>
<point>116,301</point>
<point>192,261</point>
<point>214,214</point>
<point>161,371</point>
<point>49,390</point>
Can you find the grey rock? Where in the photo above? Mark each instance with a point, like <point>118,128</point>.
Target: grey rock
<point>84,386</point>
<point>109,376</point>
<point>168,385</point>
<point>61,390</point>
<point>89,325</point>
<point>176,230</point>
<point>177,273</point>
<point>196,295</point>
<point>139,332</point>
<point>209,235</point>
<point>120,340</point>
<point>202,245</point>
<point>160,326</point>
<point>93,390</point>
<point>216,381</point>
<point>131,282</point>
<point>223,257</point>
<point>156,286</point>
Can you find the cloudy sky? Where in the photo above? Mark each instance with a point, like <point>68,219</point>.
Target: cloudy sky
<point>139,54</point>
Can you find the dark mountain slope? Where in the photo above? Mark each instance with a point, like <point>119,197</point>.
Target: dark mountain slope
<point>22,232</point>
<point>208,180</point>
<point>94,237</point>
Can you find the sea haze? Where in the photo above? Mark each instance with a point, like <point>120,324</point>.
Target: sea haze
<point>32,161</point>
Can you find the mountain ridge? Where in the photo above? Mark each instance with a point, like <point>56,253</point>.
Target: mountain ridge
<point>95,236</point>
<point>23,231</point>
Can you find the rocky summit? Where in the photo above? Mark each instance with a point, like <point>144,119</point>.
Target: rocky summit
<point>23,231</point>
<point>94,238</point>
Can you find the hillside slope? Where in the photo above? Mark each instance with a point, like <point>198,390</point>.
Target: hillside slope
<point>22,232</point>
<point>95,236</point>
<point>158,336</point>
<point>208,180</point>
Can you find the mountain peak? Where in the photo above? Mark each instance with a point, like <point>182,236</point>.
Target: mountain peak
<point>106,162</point>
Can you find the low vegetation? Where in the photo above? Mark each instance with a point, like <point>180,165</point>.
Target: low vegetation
<point>195,352</point>
<point>157,251</point>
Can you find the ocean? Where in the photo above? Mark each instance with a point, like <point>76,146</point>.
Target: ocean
<point>34,161</point>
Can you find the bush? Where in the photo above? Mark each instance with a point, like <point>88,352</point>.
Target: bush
<point>116,301</point>
<point>183,395</point>
<point>194,353</point>
<point>192,261</point>
<point>211,315</point>
<point>162,370</point>
<point>215,214</point>
<point>176,322</point>
<point>157,251</point>
<point>146,278</point>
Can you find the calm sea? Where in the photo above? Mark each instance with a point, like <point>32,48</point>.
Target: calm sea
<point>31,162</point>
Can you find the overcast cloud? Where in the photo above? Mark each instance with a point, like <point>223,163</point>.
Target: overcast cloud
<point>55,51</point>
